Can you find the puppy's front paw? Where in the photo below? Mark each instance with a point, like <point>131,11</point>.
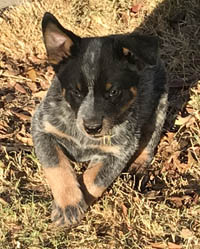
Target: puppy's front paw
<point>69,215</point>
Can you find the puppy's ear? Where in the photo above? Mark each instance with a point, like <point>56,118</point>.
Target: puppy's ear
<point>142,48</point>
<point>58,41</point>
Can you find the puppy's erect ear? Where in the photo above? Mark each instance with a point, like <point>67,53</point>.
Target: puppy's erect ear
<point>144,48</point>
<point>58,41</point>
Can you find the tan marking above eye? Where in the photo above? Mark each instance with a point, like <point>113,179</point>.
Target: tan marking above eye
<point>78,86</point>
<point>126,51</point>
<point>134,91</point>
<point>108,86</point>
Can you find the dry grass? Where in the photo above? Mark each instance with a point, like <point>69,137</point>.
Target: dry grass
<point>167,214</point>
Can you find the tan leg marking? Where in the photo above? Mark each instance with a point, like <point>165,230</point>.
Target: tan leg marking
<point>89,178</point>
<point>143,154</point>
<point>53,130</point>
<point>141,157</point>
<point>64,92</point>
<point>110,149</point>
<point>63,182</point>
<point>126,51</point>
<point>107,148</point>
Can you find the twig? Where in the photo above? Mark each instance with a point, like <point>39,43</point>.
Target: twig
<point>15,147</point>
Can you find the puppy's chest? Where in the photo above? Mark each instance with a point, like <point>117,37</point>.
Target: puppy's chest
<point>77,145</point>
<point>81,148</point>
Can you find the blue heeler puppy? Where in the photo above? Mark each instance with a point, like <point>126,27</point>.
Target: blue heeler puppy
<point>106,106</point>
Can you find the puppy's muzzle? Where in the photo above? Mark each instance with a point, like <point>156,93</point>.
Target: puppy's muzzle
<point>92,127</point>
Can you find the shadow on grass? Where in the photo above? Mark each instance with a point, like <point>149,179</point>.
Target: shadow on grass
<point>176,23</point>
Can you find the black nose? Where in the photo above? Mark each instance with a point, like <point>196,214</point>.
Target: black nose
<point>92,128</point>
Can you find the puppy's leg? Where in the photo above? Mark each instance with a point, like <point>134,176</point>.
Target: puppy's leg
<point>69,203</point>
<point>139,164</point>
<point>149,139</point>
<point>99,175</point>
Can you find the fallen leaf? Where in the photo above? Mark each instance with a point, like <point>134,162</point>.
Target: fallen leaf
<point>191,159</point>
<point>10,97</point>
<point>125,18</point>
<point>30,109</point>
<point>22,116</point>
<point>196,152</point>
<point>136,199</point>
<point>32,86</point>
<point>32,74</point>
<point>190,122</point>
<point>20,88</point>
<point>40,94</point>
<point>174,246</point>
<point>174,159</point>
<point>177,201</point>
<point>3,126</point>
<point>189,109</point>
<point>35,59</point>
<point>186,233</point>
<point>24,137</point>
<point>124,210</point>
<point>44,84</point>
<point>170,136</point>
<point>2,201</point>
<point>2,136</point>
<point>196,199</point>
<point>164,246</point>
<point>182,120</point>
<point>11,84</point>
<point>158,245</point>
<point>98,20</point>
<point>136,8</point>
<point>25,140</point>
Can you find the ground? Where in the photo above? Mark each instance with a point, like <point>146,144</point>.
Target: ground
<point>167,214</point>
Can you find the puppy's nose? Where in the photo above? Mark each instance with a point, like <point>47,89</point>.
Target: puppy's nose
<point>92,127</point>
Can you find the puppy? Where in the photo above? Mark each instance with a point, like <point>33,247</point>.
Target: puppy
<point>106,105</point>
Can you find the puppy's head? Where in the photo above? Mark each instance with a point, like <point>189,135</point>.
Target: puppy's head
<point>100,75</point>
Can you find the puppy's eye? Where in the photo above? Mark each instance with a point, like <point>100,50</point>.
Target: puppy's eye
<point>114,93</point>
<point>76,93</point>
